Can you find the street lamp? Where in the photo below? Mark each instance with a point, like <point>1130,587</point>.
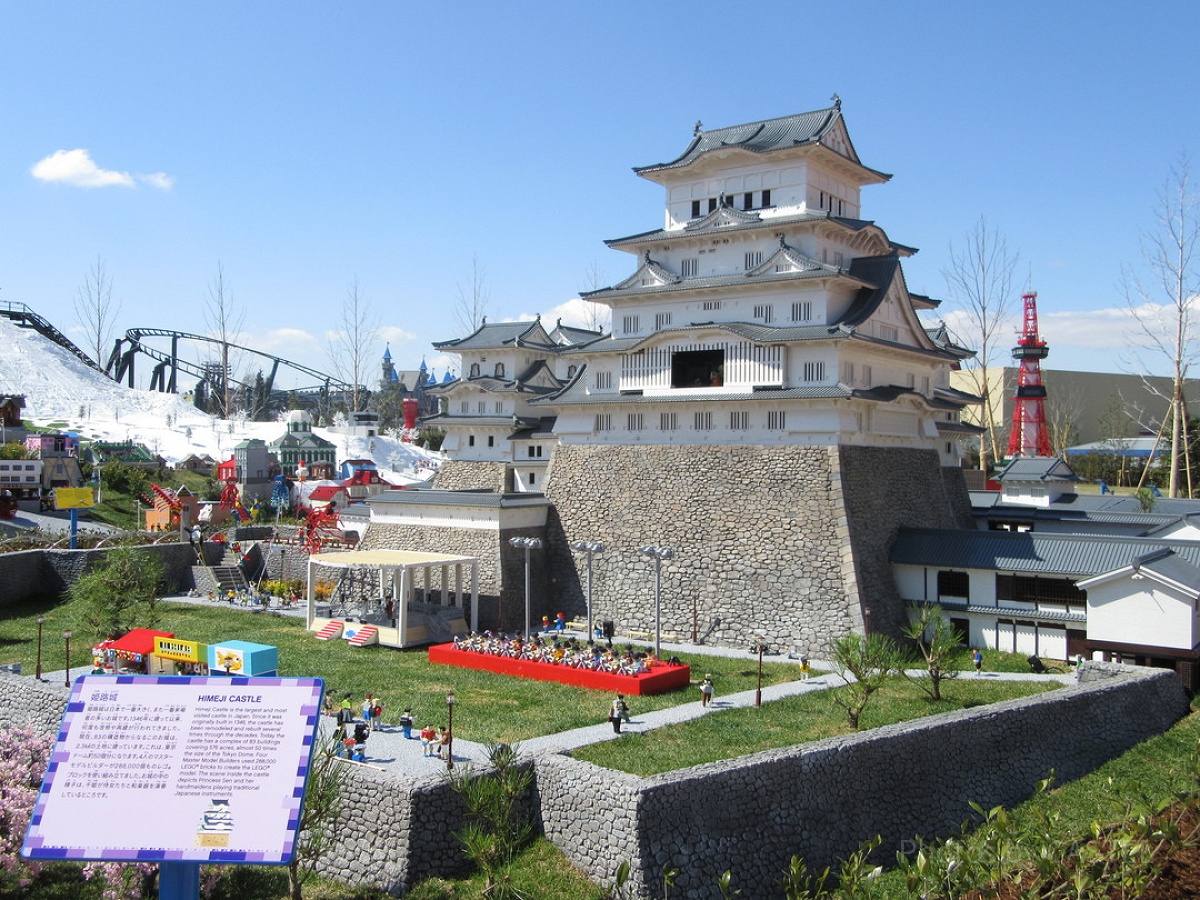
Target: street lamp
<point>658,554</point>
<point>866,620</point>
<point>528,543</point>
<point>758,691</point>
<point>41,619</point>
<point>590,548</point>
<point>67,676</point>
<point>450,730</point>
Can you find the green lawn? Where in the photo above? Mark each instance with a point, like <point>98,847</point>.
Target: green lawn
<point>490,707</point>
<point>792,720</point>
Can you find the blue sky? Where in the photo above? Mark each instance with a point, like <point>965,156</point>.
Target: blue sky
<point>305,145</point>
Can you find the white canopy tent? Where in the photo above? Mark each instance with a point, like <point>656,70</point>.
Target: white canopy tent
<point>398,574</point>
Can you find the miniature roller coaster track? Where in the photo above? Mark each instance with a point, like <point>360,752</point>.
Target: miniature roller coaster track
<point>24,317</point>
<point>168,364</point>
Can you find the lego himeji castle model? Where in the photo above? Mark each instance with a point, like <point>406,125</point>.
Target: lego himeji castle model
<point>769,406</point>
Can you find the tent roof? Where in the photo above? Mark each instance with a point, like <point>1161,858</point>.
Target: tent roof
<point>140,640</point>
<point>387,559</point>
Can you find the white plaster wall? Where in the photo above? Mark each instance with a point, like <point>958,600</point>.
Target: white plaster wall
<point>1151,614</point>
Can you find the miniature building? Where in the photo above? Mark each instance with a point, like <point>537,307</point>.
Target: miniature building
<point>163,516</point>
<point>300,444</point>
<point>22,478</point>
<point>768,408</point>
<point>127,453</point>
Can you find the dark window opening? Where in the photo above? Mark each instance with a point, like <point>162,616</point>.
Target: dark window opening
<point>491,440</point>
<point>471,440</point>
<point>697,368</point>
<point>695,209</point>
<point>747,201</point>
<point>766,198</point>
<point>954,584</point>
<point>712,203</point>
<point>1031,589</point>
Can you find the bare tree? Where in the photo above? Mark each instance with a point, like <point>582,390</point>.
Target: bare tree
<point>979,277</point>
<point>96,311</point>
<point>224,320</point>
<point>1162,309</point>
<point>1063,402</point>
<point>470,308</point>
<point>596,316</point>
<point>349,346</point>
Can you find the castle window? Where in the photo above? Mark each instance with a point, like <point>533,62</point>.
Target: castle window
<point>491,440</point>
<point>532,478</point>
<point>689,267</point>
<point>661,320</point>
<point>481,407</point>
<point>802,311</point>
<point>604,381</point>
<point>748,201</point>
<point>764,312</point>
<point>466,406</point>
<point>766,198</point>
<point>571,370</point>
<point>604,421</point>
<point>697,368</point>
<point>667,421</point>
<point>702,421</point>
<point>814,370</point>
<point>498,407</point>
<point>954,584</point>
<point>470,440</point>
<point>711,305</point>
<point>634,422</point>
<point>474,370</point>
<point>712,203</point>
<point>739,420</point>
<point>631,324</point>
<point>753,259</point>
<point>776,419</point>
<point>695,209</point>
<point>499,370</point>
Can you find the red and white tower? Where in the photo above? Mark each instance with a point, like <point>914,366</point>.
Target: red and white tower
<point>1028,436</point>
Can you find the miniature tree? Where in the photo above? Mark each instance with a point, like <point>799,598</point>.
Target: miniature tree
<point>866,662</point>
<point>121,593</point>
<point>322,803</point>
<point>941,645</point>
<point>496,830</point>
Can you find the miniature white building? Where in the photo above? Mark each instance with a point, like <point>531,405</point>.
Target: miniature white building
<point>765,311</point>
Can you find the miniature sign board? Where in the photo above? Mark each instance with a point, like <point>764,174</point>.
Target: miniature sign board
<point>74,498</point>
<point>178,769</point>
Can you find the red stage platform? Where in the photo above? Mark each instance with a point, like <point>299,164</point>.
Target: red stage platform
<point>660,679</point>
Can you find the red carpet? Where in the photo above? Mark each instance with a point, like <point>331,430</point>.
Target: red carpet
<point>660,679</point>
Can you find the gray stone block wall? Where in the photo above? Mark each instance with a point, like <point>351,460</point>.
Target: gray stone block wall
<point>821,800</point>
<point>468,475</point>
<point>42,573</point>
<point>748,815</point>
<point>785,543</point>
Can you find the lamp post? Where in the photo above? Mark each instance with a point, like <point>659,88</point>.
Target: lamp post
<point>41,619</point>
<point>528,543</point>
<point>866,621</point>
<point>590,548</point>
<point>758,690</point>
<point>450,729</point>
<point>658,554</point>
<point>67,676</point>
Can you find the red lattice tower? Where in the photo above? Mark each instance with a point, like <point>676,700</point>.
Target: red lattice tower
<point>1028,436</point>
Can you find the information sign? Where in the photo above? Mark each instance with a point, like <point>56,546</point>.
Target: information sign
<point>74,498</point>
<point>178,769</point>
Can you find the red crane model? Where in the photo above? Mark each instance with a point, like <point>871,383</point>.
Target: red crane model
<point>1028,436</point>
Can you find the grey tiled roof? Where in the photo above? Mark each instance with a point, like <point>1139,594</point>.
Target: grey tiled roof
<point>713,281</point>
<point>1037,468</point>
<point>761,137</point>
<point>487,499</point>
<point>1013,612</point>
<point>698,228</point>
<point>500,335</point>
<point>1029,552</point>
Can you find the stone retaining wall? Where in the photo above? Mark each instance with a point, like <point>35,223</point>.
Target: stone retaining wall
<point>786,543</point>
<point>821,800</point>
<point>47,573</point>
<point>748,815</point>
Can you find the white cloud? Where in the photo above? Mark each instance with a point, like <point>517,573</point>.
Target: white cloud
<point>160,180</point>
<point>76,167</point>
<point>393,334</point>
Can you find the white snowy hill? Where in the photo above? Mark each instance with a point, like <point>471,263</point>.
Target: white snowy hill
<point>63,392</point>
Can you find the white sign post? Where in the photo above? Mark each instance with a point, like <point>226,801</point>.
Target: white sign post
<point>179,771</point>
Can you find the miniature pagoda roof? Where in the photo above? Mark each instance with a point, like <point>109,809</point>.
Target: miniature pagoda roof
<point>1037,468</point>
<point>766,136</point>
<point>502,336</point>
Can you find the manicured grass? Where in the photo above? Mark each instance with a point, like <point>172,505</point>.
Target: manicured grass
<point>490,707</point>
<point>792,720</point>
